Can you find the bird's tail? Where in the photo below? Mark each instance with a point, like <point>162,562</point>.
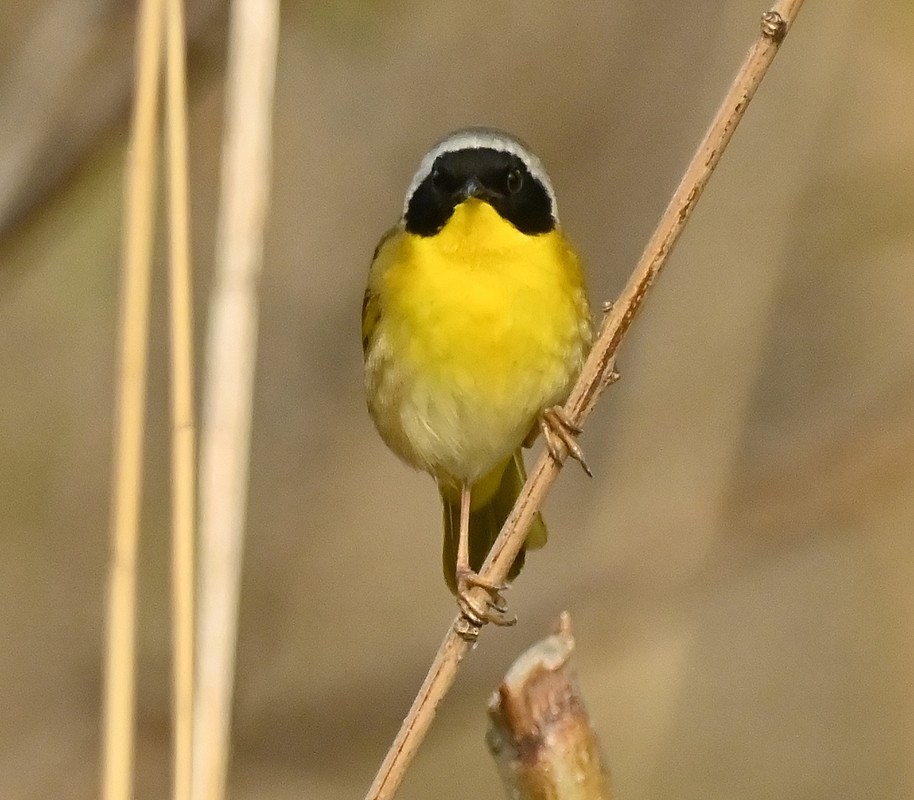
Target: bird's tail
<point>491,501</point>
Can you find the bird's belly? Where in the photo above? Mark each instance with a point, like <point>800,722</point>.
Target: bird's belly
<point>480,328</point>
<point>468,387</point>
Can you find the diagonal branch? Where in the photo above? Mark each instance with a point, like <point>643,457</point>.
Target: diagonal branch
<point>596,375</point>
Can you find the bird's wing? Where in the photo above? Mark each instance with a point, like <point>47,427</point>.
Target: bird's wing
<point>371,313</point>
<point>371,303</point>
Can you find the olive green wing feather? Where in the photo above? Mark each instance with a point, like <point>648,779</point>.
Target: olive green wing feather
<point>371,303</point>
<point>371,313</point>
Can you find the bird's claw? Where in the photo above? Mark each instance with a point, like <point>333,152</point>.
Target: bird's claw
<point>492,608</point>
<point>558,430</point>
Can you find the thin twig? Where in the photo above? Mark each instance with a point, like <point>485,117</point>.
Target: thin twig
<point>231,350</point>
<point>596,375</point>
<point>183,431</point>
<point>139,213</point>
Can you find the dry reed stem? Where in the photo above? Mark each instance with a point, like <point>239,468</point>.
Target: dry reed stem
<point>231,350</point>
<point>539,731</point>
<point>596,375</point>
<point>139,213</point>
<point>183,431</point>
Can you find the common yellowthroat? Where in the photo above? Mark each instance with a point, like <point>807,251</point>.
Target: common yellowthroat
<point>475,325</point>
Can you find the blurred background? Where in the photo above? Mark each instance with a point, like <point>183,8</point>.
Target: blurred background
<point>739,570</point>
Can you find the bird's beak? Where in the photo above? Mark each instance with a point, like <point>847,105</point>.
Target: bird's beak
<point>472,188</point>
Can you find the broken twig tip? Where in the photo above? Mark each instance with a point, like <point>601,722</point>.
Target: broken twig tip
<point>562,626</point>
<point>539,732</point>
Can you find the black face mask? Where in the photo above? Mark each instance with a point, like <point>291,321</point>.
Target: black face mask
<point>494,176</point>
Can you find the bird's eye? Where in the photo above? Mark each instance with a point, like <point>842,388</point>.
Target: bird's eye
<point>514,181</point>
<point>438,177</point>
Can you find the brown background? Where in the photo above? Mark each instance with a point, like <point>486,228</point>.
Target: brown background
<point>738,572</point>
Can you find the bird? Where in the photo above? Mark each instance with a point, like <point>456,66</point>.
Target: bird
<point>475,326</point>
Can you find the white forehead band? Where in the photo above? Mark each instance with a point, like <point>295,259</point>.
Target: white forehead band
<point>474,138</point>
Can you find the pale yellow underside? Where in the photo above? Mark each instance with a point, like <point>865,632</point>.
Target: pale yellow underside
<point>471,333</point>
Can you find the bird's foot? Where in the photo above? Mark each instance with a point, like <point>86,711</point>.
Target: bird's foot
<point>491,608</point>
<point>558,430</point>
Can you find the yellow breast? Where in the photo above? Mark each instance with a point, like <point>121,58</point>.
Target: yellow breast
<point>479,328</point>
